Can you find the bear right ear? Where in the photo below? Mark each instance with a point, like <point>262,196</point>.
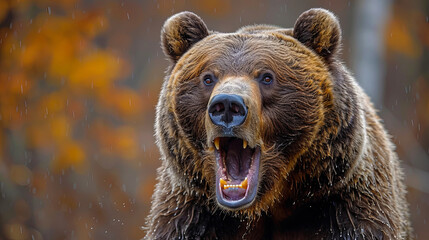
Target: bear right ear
<point>180,32</point>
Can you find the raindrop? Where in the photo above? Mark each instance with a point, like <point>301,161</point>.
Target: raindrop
<point>128,16</point>
<point>49,11</point>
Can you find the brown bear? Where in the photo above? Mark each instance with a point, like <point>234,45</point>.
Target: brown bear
<point>264,134</point>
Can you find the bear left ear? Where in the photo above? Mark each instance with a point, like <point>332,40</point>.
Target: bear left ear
<point>319,30</point>
<point>180,32</point>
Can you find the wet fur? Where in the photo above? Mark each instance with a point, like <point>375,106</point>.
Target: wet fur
<point>331,173</point>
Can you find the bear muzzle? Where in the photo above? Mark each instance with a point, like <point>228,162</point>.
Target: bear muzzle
<point>233,133</point>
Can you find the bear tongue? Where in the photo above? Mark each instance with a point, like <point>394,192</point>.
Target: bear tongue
<point>237,161</point>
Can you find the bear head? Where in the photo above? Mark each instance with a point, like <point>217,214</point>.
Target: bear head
<point>238,111</point>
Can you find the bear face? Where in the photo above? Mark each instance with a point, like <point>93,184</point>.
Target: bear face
<point>241,108</point>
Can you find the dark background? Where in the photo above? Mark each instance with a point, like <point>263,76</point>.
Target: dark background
<point>79,81</point>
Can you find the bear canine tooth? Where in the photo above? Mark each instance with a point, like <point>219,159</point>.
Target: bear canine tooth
<point>222,183</point>
<point>243,184</point>
<point>244,144</point>
<point>216,143</point>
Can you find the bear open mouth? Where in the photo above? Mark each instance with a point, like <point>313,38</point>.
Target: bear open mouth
<point>237,172</point>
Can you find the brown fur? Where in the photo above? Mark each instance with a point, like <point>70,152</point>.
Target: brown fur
<point>328,169</point>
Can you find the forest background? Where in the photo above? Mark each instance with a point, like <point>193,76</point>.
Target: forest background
<point>79,81</point>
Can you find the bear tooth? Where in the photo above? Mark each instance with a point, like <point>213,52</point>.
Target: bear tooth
<point>244,144</point>
<point>243,184</point>
<point>222,183</point>
<point>216,143</point>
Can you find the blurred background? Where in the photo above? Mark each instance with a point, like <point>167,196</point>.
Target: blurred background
<point>79,81</point>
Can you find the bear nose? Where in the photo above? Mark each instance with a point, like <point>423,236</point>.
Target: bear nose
<point>227,110</point>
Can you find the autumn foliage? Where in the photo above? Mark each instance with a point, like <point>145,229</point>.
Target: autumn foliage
<point>68,125</point>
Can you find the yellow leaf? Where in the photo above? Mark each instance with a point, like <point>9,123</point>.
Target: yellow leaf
<point>398,37</point>
<point>125,102</point>
<point>126,143</point>
<point>71,155</point>
<point>60,128</point>
<point>97,70</point>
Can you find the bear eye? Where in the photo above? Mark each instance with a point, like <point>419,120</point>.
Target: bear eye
<point>208,79</point>
<point>267,78</point>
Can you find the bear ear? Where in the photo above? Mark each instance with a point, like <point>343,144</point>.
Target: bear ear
<point>319,30</point>
<point>180,32</point>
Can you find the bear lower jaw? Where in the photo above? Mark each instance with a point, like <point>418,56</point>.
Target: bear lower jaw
<point>237,174</point>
